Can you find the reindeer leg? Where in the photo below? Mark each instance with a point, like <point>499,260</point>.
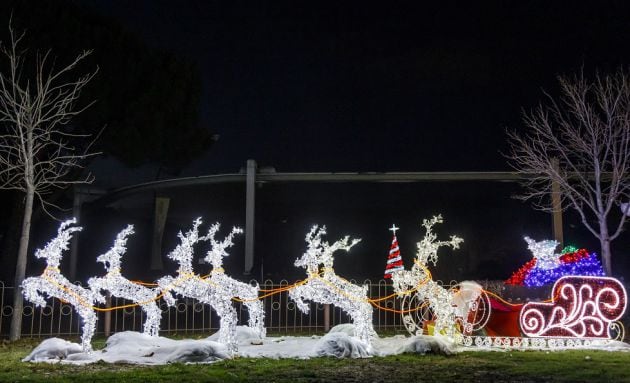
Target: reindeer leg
<point>255,309</point>
<point>89,326</point>
<point>256,318</point>
<point>362,318</point>
<point>165,285</point>
<point>360,328</point>
<point>227,323</point>
<point>154,316</point>
<point>32,293</point>
<point>296,294</point>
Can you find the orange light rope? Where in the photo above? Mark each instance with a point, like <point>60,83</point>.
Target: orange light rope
<point>500,299</point>
<point>270,292</point>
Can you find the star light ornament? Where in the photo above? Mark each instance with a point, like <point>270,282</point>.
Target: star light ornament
<point>448,306</point>
<point>120,286</point>
<point>54,285</point>
<point>216,291</point>
<point>326,287</point>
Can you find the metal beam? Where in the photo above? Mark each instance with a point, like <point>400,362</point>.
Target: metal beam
<point>390,177</point>
<point>263,177</point>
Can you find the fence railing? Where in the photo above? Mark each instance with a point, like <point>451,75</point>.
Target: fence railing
<point>191,316</point>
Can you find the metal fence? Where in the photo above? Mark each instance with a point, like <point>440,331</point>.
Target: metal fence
<point>191,316</point>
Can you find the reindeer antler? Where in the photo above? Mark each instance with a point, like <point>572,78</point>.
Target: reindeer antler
<point>329,250</point>
<point>111,259</point>
<point>428,247</point>
<point>53,250</point>
<point>217,252</point>
<point>313,239</point>
<point>320,252</point>
<point>183,252</point>
<point>429,223</point>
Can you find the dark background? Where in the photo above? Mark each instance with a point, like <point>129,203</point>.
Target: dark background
<point>323,86</point>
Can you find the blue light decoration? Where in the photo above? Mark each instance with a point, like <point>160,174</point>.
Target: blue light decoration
<point>571,261</point>
<point>588,265</point>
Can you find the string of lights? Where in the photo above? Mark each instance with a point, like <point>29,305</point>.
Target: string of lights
<point>448,307</point>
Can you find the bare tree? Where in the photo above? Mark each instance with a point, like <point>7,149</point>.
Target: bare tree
<point>581,142</point>
<point>37,148</point>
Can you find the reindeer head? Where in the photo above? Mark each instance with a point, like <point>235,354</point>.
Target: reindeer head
<point>216,254</point>
<point>543,251</point>
<point>428,247</point>
<point>111,259</point>
<point>53,250</point>
<point>319,252</point>
<point>183,253</point>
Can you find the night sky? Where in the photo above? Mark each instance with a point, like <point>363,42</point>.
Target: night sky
<point>364,86</point>
<point>374,86</point>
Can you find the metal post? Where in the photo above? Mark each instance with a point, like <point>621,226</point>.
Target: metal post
<point>107,326</point>
<point>556,203</point>
<point>326,317</point>
<point>159,220</point>
<point>74,243</point>
<point>250,201</point>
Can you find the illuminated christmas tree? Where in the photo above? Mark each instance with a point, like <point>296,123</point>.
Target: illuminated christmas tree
<point>394,261</point>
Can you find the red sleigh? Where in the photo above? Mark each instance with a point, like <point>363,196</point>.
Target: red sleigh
<point>581,307</point>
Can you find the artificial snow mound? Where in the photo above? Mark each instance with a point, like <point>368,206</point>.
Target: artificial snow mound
<point>53,349</point>
<point>341,345</point>
<point>421,344</point>
<point>131,347</point>
<point>346,328</point>
<point>135,347</point>
<point>138,348</point>
<point>244,336</point>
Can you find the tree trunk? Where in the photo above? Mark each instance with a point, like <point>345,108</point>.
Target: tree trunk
<point>606,256</point>
<point>20,268</point>
<point>604,240</point>
<point>11,239</point>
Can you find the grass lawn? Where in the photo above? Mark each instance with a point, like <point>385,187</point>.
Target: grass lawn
<point>529,366</point>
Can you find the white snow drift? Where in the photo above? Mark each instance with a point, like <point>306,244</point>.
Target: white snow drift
<point>138,348</point>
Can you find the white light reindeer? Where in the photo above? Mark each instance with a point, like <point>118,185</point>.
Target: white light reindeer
<point>446,305</point>
<point>120,286</point>
<point>209,291</point>
<point>229,287</point>
<point>55,285</point>
<point>328,288</point>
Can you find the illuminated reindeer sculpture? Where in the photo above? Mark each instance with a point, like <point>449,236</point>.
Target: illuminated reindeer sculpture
<point>227,286</point>
<point>446,305</point>
<point>209,291</point>
<point>54,285</point>
<point>328,288</point>
<point>120,286</point>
